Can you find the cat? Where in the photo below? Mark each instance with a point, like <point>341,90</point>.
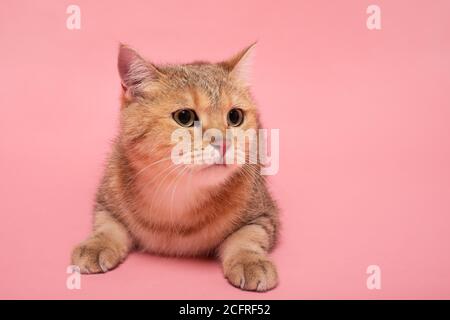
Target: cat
<point>146,202</point>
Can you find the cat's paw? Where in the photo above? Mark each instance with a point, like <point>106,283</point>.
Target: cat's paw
<point>92,256</point>
<point>253,274</point>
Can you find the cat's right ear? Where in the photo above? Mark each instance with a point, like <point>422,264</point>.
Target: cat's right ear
<point>240,64</point>
<point>134,70</point>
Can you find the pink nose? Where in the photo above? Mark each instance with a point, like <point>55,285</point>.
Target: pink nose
<point>221,145</point>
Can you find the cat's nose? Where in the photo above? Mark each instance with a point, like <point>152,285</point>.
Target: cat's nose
<point>221,146</point>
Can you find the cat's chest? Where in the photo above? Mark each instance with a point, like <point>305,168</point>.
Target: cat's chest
<point>183,242</point>
<point>181,220</point>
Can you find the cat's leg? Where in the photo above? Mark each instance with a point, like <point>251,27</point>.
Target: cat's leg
<point>244,256</point>
<point>106,247</point>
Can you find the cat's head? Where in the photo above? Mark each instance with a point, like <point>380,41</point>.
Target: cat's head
<point>159,100</point>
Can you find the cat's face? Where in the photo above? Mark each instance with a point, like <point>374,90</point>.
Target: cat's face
<point>200,100</point>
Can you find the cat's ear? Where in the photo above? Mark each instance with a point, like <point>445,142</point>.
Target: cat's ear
<point>134,69</point>
<point>240,64</point>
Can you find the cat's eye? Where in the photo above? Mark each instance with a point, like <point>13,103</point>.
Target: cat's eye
<point>235,117</point>
<point>185,117</point>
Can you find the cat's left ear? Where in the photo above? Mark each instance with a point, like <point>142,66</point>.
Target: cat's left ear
<point>134,70</point>
<point>240,64</point>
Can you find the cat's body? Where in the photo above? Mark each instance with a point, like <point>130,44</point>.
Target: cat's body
<point>146,202</point>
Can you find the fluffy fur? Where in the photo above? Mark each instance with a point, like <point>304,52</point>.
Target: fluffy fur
<point>145,201</point>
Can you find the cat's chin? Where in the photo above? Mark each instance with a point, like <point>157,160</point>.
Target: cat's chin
<point>214,174</point>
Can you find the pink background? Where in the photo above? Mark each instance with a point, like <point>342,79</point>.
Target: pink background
<point>364,119</point>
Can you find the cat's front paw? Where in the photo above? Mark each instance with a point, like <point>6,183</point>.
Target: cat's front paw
<point>92,256</point>
<point>252,273</point>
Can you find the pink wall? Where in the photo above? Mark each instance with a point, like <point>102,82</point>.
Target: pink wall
<point>364,119</point>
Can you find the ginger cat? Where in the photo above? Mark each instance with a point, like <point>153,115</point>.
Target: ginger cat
<point>147,202</point>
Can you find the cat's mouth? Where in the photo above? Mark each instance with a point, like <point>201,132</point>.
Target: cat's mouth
<point>213,165</point>
<point>213,168</point>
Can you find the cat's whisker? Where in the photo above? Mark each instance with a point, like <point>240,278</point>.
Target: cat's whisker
<point>156,176</point>
<point>155,192</point>
<point>178,179</point>
<point>131,180</point>
<point>248,172</point>
<point>245,175</point>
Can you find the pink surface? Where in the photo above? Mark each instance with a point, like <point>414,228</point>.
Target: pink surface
<point>364,119</point>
